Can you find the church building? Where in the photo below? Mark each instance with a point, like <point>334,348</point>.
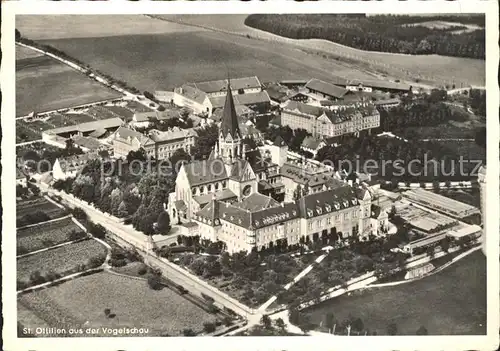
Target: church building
<point>238,196</point>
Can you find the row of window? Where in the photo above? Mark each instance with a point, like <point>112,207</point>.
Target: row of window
<point>209,188</point>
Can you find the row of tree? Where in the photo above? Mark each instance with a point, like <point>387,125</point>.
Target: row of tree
<point>379,33</point>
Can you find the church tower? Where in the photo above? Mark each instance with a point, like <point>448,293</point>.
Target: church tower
<point>230,144</point>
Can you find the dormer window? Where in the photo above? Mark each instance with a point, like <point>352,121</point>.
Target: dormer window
<point>309,213</point>
<point>224,215</point>
<point>346,203</point>
<point>328,208</point>
<point>319,210</point>
<point>354,201</point>
<point>336,205</point>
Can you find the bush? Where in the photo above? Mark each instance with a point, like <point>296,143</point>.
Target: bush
<point>155,283</point>
<point>78,213</point>
<point>208,298</point>
<point>97,230</point>
<point>208,327</point>
<point>143,269</point>
<point>96,261</point>
<point>118,262</point>
<point>36,278</point>
<point>32,218</point>
<point>76,235</point>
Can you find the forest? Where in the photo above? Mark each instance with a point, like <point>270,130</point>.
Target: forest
<point>384,33</point>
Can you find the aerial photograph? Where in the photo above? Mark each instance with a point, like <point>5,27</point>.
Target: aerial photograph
<point>250,175</point>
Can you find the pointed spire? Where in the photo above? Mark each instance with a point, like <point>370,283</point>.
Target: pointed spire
<point>229,117</point>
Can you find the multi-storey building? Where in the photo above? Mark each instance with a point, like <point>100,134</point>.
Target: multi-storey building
<point>231,196</point>
<point>330,122</point>
<point>157,144</point>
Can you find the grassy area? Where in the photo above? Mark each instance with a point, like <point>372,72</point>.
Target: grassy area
<point>452,301</point>
<point>26,53</point>
<point>198,56</point>
<point>78,26</point>
<point>426,68</point>
<point>60,260</point>
<point>44,84</point>
<point>25,207</point>
<point>45,235</point>
<point>81,303</point>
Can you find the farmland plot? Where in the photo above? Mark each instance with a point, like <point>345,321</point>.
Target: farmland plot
<point>60,260</point>
<point>44,84</point>
<point>83,300</point>
<point>45,235</point>
<point>39,204</point>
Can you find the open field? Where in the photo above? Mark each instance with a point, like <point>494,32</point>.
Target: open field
<point>25,53</point>
<point>45,235</point>
<point>39,204</point>
<point>81,303</point>
<point>38,27</point>
<point>430,69</point>
<point>44,84</point>
<point>452,301</point>
<point>59,260</point>
<point>198,56</point>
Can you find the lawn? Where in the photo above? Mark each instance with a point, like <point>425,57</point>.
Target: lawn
<point>59,260</point>
<point>81,303</point>
<point>44,84</point>
<point>45,235</point>
<point>427,68</point>
<point>452,302</point>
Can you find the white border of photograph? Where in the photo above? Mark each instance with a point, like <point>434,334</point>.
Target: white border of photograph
<point>11,342</point>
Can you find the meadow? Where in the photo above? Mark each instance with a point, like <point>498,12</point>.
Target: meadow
<point>82,301</point>
<point>452,302</point>
<point>164,61</point>
<point>44,84</point>
<point>430,69</point>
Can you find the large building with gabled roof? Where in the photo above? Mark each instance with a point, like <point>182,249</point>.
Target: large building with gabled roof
<point>245,198</point>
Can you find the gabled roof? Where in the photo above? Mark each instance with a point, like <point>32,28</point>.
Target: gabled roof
<point>238,169</point>
<point>127,135</point>
<point>279,141</point>
<point>318,204</point>
<point>242,99</point>
<point>311,142</point>
<point>256,202</point>
<point>221,195</point>
<point>210,211</point>
<point>191,93</point>
<point>171,134</point>
<point>230,125</point>
<point>206,171</point>
<point>215,86</point>
<point>88,126</point>
<point>326,88</point>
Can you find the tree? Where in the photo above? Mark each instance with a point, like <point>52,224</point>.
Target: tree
<point>163,223</point>
<point>358,325</point>
<point>188,332</point>
<point>154,282</point>
<point>445,244</point>
<point>208,327</point>
<point>422,331</point>
<point>297,194</point>
<point>139,155</point>
<point>97,230</point>
<point>179,157</point>
<point>116,200</point>
<point>18,35</point>
<point>392,329</point>
<point>280,324</point>
<point>266,322</point>
<point>107,312</point>
<point>205,142</point>
<point>329,321</point>
<point>430,251</point>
